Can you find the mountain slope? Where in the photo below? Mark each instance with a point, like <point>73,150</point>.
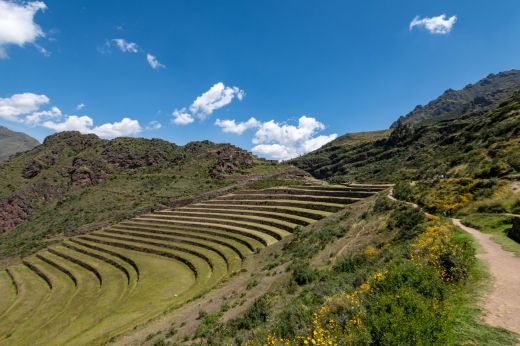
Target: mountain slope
<point>14,142</point>
<point>477,145</point>
<point>483,95</point>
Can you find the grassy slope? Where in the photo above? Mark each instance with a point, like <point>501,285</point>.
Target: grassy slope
<point>287,284</point>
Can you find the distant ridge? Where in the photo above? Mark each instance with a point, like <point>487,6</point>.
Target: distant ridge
<point>14,142</point>
<point>481,96</point>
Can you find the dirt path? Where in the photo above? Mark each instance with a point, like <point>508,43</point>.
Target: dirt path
<point>502,304</point>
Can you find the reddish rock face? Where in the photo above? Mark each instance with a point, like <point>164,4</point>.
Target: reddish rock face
<point>13,212</point>
<point>21,205</point>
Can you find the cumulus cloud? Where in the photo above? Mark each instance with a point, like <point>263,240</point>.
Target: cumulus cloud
<point>85,124</point>
<point>25,108</point>
<point>17,26</point>
<point>153,62</point>
<point>216,97</point>
<point>12,107</point>
<point>182,117</point>
<point>231,126</point>
<point>80,106</point>
<point>281,141</point>
<point>435,25</point>
<point>37,118</point>
<point>125,46</point>
<point>153,125</point>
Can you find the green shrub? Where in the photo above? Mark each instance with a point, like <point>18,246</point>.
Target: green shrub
<point>406,220</point>
<point>404,317</point>
<point>303,274</point>
<point>256,314</point>
<point>206,325</point>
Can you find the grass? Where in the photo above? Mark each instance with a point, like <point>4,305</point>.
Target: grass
<point>399,292</point>
<point>496,225</point>
<point>7,292</point>
<point>151,264</point>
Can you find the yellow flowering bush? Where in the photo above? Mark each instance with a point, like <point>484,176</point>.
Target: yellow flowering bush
<point>437,247</point>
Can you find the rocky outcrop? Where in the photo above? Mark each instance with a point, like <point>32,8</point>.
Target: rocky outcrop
<point>13,211</point>
<point>74,140</point>
<point>138,152</point>
<point>20,206</point>
<point>87,172</point>
<point>32,169</point>
<point>230,160</point>
<point>514,232</point>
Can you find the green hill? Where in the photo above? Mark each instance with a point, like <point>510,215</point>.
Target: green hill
<point>475,145</point>
<point>14,142</point>
<point>75,183</point>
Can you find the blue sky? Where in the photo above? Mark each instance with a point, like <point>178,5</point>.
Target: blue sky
<point>304,70</point>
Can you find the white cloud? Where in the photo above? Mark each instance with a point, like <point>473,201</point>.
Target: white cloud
<point>153,62</point>
<point>275,151</point>
<point>25,108</point>
<point>182,117</point>
<point>216,97</point>
<point>280,141</point>
<point>316,143</point>
<point>17,26</point>
<point>283,142</point>
<point>80,106</point>
<point>125,127</point>
<point>85,124</point>
<point>71,123</point>
<point>37,118</point>
<point>19,104</point>
<point>153,125</point>
<point>435,25</point>
<point>230,126</point>
<point>125,46</point>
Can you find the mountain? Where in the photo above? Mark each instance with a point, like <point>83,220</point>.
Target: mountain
<point>14,142</point>
<point>74,183</point>
<point>483,95</point>
<point>479,144</point>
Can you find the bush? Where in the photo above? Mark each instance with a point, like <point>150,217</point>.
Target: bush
<point>303,274</point>
<point>408,275</point>
<point>403,317</point>
<point>406,220</point>
<point>256,314</point>
<point>451,257</point>
<point>403,191</point>
<point>206,325</point>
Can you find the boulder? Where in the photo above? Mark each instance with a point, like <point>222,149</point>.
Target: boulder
<point>514,232</point>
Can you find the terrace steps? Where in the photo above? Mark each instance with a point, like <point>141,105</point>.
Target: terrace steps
<point>97,285</point>
<point>7,292</point>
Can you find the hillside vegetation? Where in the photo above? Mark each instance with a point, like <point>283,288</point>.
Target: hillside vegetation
<point>121,276</point>
<point>75,183</point>
<point>14,142</point>
<point>475,145</point>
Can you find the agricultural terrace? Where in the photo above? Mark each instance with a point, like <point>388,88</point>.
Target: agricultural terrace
<point>91,287</point>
